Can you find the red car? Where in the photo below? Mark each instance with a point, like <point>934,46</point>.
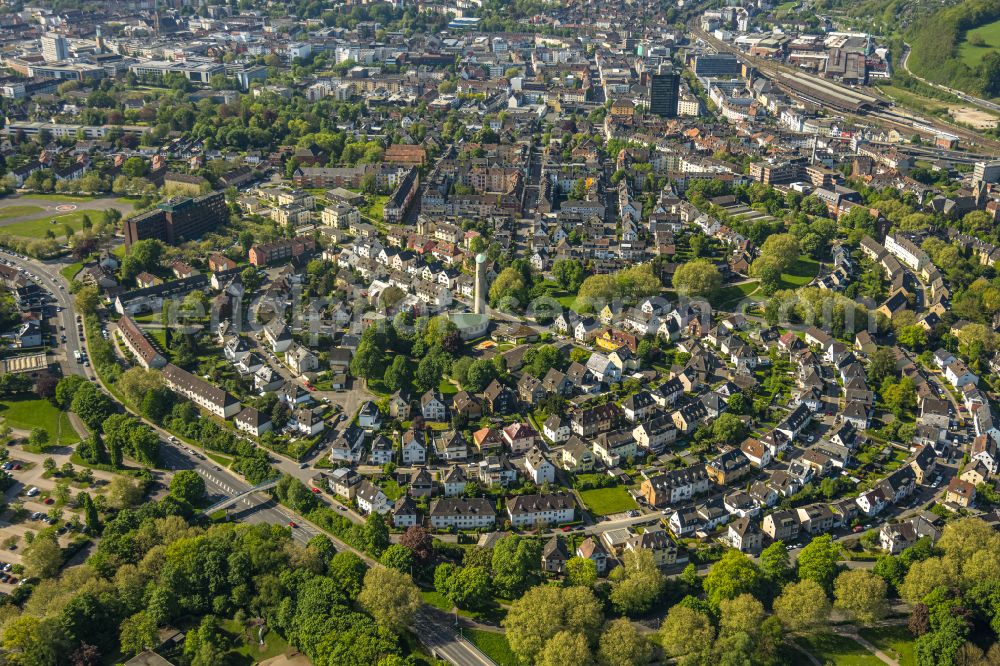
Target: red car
<point>310,387</point>
<point>16,466</point>
<point>49,500</point>
<point>316,490</point>
<point>291,523</point>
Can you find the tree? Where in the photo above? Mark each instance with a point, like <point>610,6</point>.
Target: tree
<point>767,270</point>
<point>862,594</point>
<point>818,561</point>
<point>87,300</point>
<point>697,278</point>
<point>568,273</point>
<point>515,564</point>
<point>581,572</point>
<point>733,575</point>
<point>397,557</point>
<point>187,486</point>
<point>881,365</point>
<point>479,375</point>
<point>686,632</point>
<point>92,406</point>
<point>419,540</point>
<point>741,614</point>
<point>782,247</point>
<point>637,583</point>
<point>728,428</point>
<point>775,565</point>
<point>621,644</point>
<point>124,493</point>
<point>566,647</point>
<point>138,633</point>
<point>466,587</point>
<point>91,518</point>
<point>43,557</point>
<point>509,290</point>
<point>38,440</point>
<point>544,611</point>
<point>398,375</point>
<point>802,606</point>
<point>390,597</point>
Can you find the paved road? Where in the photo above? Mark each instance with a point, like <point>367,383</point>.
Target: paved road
<point>48,277</point>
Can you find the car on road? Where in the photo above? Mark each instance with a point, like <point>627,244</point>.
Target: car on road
<point>292,524</point>
<point>49,501</point>
<point>32,491</point>
<point>303,465</point>
<point>316,490</point>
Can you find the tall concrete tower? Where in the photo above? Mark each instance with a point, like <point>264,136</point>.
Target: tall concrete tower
<point>479,307</point>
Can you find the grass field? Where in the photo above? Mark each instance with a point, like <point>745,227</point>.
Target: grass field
<point>19,211</point>
<point>70,271</point>
<point>494,644</point>
<point>838,650</point>
<point>973,55</point>
<point>38,228</point>
<point>801,273</point>
<point>447,388</point>
<point>732,294</point>
<point>25,414</point>
<point>896,641</point>
<point>273,643</point>
<point>605,501</point>
<point>436,599</point>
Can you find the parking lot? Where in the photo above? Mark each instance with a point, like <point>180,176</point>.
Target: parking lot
<point>33,505</point>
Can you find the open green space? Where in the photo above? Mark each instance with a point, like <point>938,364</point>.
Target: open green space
<point>800,274</point>
<point>28,413</point>
<point>9,212</point>
<point>494,645</point>
<point>376,209</point>
<point>605,501</point>
<point>895,640</point>
<point>273,643</point>
<point>436,599</point>
<point>832,648</point>
<point>69,272</point>
<point>447,387</point>
<point>971,53</point>
<point>38,228</point>
<point>730,295</point>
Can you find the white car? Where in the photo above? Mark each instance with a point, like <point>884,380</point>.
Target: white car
<point>32,491</point>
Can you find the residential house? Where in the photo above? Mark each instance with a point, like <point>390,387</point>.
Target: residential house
<point>464,513</point>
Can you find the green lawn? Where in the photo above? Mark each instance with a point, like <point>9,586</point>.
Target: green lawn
<point>494,645</point>
<point>376,209</point>
<point>973,55</point>
<point>19,211</point>
<point>273,643</point>
<point>800,274</point>
<point>838,650</point>
<point>436,599</point>
<point>896,641</point>
<point>69,272</point>
<point>447,388</point>
<point>25,414</point>
<point>730,295</point>
<point>38,228</point>
<point>605,501</point>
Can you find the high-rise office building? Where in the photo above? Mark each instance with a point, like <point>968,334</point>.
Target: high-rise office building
<point>664,92</point>
<point>54,47</point>
<point>986,172</point>
<point>178,219</point>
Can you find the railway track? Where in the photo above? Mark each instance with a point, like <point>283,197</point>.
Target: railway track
<point>912,123</point>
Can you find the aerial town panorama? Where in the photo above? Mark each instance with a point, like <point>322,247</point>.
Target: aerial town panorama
<point>500,333</point>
